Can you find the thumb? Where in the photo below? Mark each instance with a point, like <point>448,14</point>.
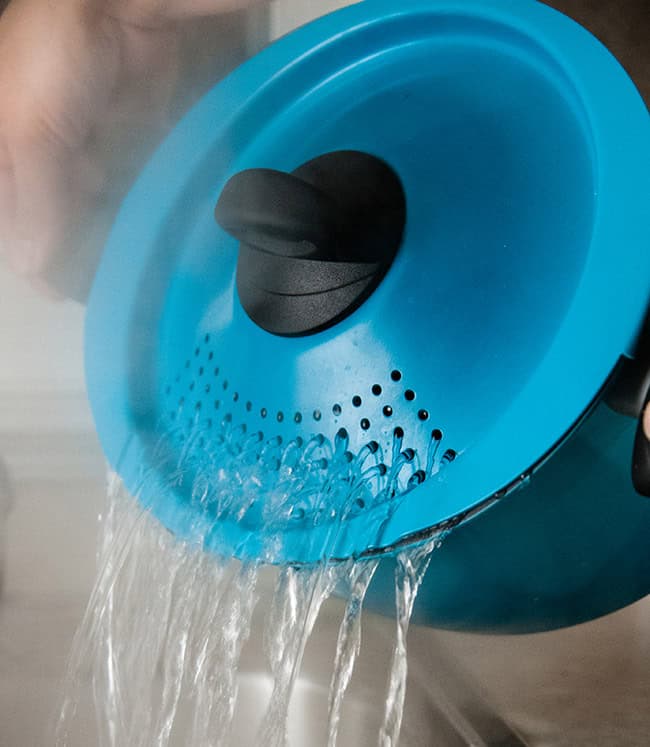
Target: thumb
<point>38,197</point>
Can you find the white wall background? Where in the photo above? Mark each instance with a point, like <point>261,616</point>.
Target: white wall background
<point>289,14</point>
<point>40,340</point>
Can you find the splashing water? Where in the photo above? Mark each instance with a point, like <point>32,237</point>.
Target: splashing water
<point>239,486</point>
<point>167,622</point>
<point>298,599</point>
<point>215,678</point>
<point>412,564</point>
<point>168,619</point>
<point>358,577</point>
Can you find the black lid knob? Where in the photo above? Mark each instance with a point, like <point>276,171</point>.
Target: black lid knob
<point>314,243</point>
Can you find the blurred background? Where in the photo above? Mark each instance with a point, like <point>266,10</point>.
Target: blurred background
<point>589,685</point>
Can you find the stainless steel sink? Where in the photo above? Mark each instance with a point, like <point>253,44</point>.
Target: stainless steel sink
<point>585,686</point>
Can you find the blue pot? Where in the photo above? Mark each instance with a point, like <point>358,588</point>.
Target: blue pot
<point>476,345</point>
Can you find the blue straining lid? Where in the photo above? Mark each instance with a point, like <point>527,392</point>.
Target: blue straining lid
<point>523,150</point>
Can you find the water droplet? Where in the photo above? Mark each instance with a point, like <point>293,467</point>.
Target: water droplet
<point>297,418</point>
<point>417,478</point>
<point>449,456</point>
<point>423,414</point>
<point>341,440</point>
<point>356,400</point>
<point>280,417</point>
<point>249,406</point>
<point>388,411</point>
<point>264,412</point>
<point>409,395</point>
<point>432,452</point>
<point>336,409</point>
<point>317,415</point>
<point>235,397</point>
<point>365,424</point>
<point>376,390</point>
<point>396,375</point>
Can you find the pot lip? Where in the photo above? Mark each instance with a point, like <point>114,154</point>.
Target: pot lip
<point>596,331</point>
<point>443,527</point>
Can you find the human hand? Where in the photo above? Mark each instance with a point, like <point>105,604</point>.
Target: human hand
<point>85,91</point>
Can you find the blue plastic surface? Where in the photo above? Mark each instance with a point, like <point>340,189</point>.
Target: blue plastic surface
<point>570,545</point>
<point>524,151</point>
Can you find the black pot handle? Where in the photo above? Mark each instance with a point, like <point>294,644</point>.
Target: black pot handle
<point>629,394</point>
<point>641,456</point>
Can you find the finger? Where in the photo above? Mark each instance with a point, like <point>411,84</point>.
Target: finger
<point>88,175</point>
<point>141,112</point>
<point>43,199</point>
<point>150,64</point>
